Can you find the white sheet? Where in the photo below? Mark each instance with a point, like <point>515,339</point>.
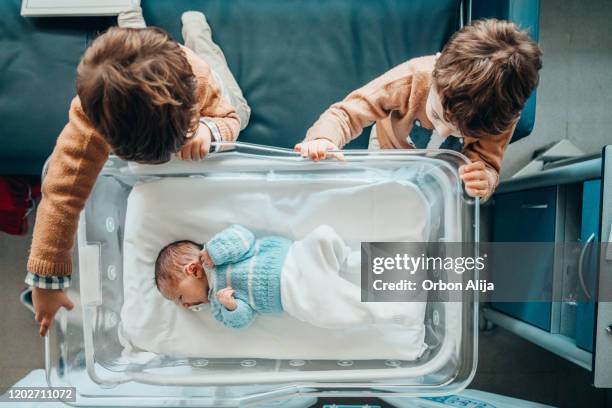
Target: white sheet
<point>170,209</point>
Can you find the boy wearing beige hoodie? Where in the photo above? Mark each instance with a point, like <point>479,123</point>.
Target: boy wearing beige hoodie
<point>142,97</point>
<point>467,98</point>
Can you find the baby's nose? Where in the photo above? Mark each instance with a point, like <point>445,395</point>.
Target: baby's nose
<point>186,305</point>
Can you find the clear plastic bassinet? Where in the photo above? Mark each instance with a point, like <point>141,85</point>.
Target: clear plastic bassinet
<point>85,350</point>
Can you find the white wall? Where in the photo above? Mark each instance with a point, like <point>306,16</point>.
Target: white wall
<point>575,93</point>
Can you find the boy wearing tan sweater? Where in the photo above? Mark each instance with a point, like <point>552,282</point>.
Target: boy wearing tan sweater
<point>143,97</point>
<point>467,98</point>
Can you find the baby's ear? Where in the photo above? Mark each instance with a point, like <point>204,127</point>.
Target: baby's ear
<point>194,269</point>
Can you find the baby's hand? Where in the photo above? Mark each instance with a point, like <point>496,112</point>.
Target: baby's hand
<point>206,260</point>
<point>318,149</point>
<point>474,176</point>
<point>226,297</point>
<point>197,146</point>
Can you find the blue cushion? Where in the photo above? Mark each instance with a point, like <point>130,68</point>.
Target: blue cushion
<point>38,60</point>
<point>294,58</point>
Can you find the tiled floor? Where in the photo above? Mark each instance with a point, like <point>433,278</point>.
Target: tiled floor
<point>509,365</point>
<point>21,347</point>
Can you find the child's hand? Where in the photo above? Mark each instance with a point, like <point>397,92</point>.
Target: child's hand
<point>474,176</point>
<point>206,260</point>
<point>318,150</point>
<point>197,146</point>
<point>46,304</point>
<point>226,297</point>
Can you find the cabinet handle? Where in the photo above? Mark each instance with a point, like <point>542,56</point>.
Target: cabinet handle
<point>535,206</point>
<point>580,261</point>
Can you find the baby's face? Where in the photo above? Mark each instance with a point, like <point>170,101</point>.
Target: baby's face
<point>192,287</point>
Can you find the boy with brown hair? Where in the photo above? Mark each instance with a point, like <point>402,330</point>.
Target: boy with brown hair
<point>143,97</point>
<point>467,98</point>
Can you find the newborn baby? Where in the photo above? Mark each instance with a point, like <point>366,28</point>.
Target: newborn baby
<point>241,276</point>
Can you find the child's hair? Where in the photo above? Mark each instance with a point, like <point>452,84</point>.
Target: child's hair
<point>139,92</point>
<point>485,74</point>
<point>171,259</point>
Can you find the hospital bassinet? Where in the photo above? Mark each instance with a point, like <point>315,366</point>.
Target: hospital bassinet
<point>85,350</point>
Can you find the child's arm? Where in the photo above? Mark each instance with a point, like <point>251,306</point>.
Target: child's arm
<point>230,245</point>
<point>213,106</point>
<point>78,157</point>
<point>345,120</point>
<point>233,313</point>
<point>486,153</point>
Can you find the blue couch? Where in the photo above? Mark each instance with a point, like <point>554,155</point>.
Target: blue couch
<point>293,58</point>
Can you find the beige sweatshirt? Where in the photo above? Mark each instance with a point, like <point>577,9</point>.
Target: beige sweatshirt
<point>76,161</point>
<point>394,101</point>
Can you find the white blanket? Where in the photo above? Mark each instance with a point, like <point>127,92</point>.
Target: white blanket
<point>320,285</point>
<point>171,209</point>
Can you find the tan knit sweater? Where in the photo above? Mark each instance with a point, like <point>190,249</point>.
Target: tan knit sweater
<point>394,101</point>
<point>78,157</point>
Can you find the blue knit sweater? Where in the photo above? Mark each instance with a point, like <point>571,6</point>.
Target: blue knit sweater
<point>252,267</point>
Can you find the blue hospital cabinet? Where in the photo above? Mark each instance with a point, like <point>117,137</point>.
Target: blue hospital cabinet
<point>589,236</point>
<point>526,216</point>
<point>568,204</point>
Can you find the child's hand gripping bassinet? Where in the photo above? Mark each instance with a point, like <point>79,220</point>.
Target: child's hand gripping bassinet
<point>125,340</point>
